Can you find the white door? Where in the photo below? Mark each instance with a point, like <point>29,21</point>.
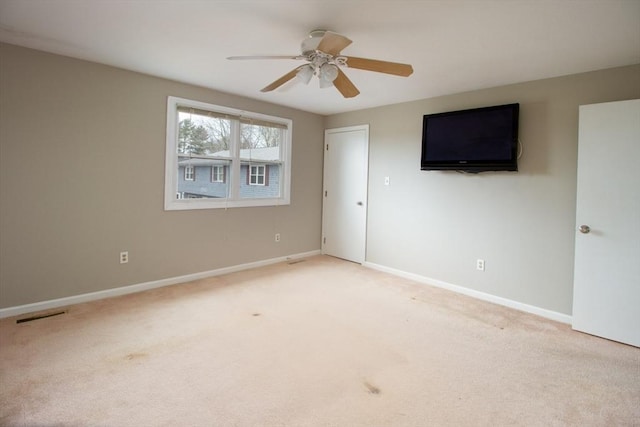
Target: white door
<point>606,294</point>
<point>344,208</point>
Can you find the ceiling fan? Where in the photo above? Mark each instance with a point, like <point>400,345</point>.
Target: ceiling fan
<point>321,49</point>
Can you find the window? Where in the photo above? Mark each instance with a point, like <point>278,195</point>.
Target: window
<point>189,173</point>
<point>217,173</point>
<point>256,176</point>
<point>248,156</point>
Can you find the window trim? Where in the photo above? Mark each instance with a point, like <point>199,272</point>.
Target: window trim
<point>233,178</point>
<point>189,176</point>
<point>257,175</point>
<point>215,175</point>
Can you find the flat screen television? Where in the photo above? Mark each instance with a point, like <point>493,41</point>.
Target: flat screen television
<point>474,140</point>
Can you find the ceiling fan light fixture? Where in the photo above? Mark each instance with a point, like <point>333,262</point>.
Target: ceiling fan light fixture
<point>305,73</point>
<point>325,83</point>
<point>328,73</point>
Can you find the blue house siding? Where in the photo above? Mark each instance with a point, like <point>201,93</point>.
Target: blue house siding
<point>202,186</point>
<point>270,189</point>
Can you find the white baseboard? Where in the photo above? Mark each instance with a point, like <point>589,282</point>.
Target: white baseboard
<point>124,290</point>
<point>542,312</point>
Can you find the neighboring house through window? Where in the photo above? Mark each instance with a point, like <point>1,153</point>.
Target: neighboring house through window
<point>219,157</point>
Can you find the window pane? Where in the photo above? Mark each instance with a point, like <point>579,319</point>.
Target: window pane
<point>260,143</point>
<point>189,173</point>
<point>203,144</point>
<point>202,186</point>
<point>261,181</point>
<point>218,173</point>
<point>203,135</point>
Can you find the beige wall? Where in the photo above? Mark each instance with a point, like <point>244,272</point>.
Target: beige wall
<point>436,224</point>
<point>82,178</point>
<point>82,173</point>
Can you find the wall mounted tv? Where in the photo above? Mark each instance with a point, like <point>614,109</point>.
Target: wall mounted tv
<point>475,140</point>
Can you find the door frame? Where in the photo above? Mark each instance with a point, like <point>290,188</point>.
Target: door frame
<point>365,190</point>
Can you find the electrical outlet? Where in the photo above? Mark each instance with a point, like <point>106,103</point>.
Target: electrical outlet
<point>277,238</point>
<point>124,257</point>
<point>480,264</point>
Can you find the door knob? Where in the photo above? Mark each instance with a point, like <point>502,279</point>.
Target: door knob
<point>359,203</point>
<point>584,229</point>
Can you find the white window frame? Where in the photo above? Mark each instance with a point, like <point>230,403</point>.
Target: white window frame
<point>189,173</point>
<point>257,175</point>
<point>233,173</point>
<point>217,173</point>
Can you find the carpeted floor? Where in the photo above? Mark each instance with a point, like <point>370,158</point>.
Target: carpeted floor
<point>322,342</point>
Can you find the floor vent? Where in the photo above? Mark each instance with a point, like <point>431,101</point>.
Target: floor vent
<point>296,261</point>
<point>40,316</point>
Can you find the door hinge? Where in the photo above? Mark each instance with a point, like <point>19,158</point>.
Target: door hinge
<point>327,147</point>
<point>325,193</point>
<point>324,240</point>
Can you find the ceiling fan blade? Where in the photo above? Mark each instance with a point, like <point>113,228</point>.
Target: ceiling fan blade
<point>344,85</point>
<point>333,43</point>
<point>394,68</point>
<point>234,58</point>
<point>282,80</point>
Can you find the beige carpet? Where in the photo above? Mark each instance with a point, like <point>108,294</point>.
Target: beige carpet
<point>316,343</point>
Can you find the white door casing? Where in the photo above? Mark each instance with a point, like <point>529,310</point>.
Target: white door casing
<point>606,295</point>
<point>344,208</point>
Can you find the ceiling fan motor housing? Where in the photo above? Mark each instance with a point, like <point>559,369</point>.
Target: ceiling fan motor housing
<point>310,44</point>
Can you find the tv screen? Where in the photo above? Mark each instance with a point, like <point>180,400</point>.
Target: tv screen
<point>475,140</point>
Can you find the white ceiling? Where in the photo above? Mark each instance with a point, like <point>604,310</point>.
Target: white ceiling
<point>453,45</point>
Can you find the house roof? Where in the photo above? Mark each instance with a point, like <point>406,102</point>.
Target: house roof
<point>254,155</point>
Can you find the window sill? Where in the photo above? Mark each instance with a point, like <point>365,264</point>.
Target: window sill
<point>189,204</point>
